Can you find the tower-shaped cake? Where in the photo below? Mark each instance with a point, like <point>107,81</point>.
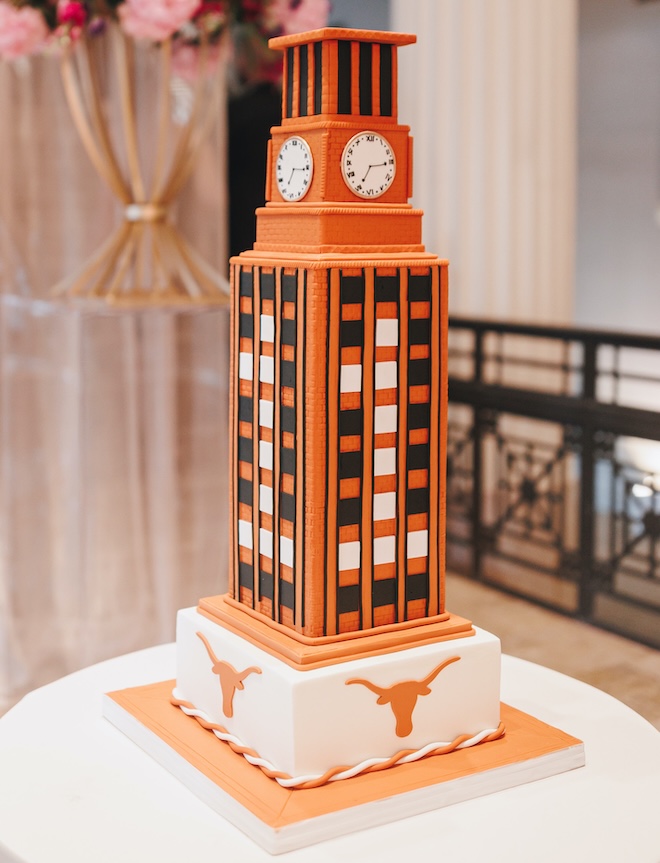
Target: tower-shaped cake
<point>333,652</point>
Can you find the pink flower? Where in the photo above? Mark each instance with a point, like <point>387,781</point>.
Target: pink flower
<point>155,19</point>
<point>296,16</point>
<point>72,13</point>
<point>22,31</point>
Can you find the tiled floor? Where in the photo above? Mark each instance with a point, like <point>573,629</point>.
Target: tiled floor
<point>627,670</point>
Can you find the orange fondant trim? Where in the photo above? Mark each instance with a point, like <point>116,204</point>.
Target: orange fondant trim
<point>332,33</point>
<point>303,652</point>
<point>402,444</point>
<point>366,545</point>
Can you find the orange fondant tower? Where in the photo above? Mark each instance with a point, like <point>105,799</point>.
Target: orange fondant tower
<point>338,388</point>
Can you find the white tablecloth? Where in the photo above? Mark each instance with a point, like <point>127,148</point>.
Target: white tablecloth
<point>74,789</point>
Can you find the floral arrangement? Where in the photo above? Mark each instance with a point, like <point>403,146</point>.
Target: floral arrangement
<point>31,26</point>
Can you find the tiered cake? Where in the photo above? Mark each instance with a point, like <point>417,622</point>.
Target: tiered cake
<point>339,403</point>
<point>333,655</point>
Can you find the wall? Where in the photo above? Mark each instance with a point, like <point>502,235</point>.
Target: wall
<point>367,14</point>
<point>618,234</point>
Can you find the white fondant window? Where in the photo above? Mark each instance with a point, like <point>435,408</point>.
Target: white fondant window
<point>265,542</point>
<point>385,376</point>
<point>385,419</point>
<point>349,555</point>
<point>265,454</point>
<point>267,328</point>
<point>266,499</point>
<point>245,533</point>
<point>245,366</point>
<point>286,550</point>
<point>384,506</point>
<point>351,379</point>
<point>265,413</point>
<point>387,332</point>
<point>266,370</point>
<point>384,549</point>
<point>384,461</point>
<point>418,543</point>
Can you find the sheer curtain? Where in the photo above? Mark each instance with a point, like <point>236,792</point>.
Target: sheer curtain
<point>113,442</point>
<point>490,91</point>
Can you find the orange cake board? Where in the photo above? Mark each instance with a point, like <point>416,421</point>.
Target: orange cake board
<point>281,819</point>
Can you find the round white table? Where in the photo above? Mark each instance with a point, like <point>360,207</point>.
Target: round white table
<point>74,789</point>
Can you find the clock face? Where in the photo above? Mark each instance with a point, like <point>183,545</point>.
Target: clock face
<point>368,165</point>
<point>294,168</point>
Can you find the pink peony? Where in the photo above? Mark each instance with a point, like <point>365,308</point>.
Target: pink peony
<point>155,19</point>
<point>71,12</point>
<point>297,16</point>
<point>22,31</point>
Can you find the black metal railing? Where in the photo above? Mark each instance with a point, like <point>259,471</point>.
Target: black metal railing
<point>554,468</point>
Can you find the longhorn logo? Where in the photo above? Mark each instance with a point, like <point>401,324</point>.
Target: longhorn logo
<point>230,679</point>
<point>403,696</point>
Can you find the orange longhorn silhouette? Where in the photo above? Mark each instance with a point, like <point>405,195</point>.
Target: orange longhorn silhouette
<point>230,679</point>
<point>403,696</point>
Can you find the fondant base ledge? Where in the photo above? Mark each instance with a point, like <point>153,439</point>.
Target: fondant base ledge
<point>281,819</point>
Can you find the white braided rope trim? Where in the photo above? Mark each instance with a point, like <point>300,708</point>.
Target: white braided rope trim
<point>294,781</point>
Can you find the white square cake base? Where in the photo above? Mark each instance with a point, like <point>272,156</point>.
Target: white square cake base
<point>306,722</point>
<point>282,820</point>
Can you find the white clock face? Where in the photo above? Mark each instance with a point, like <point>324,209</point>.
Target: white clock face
<point>368,165</point>
<point>294,169</point>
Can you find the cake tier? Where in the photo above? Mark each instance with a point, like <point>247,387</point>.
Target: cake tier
<point>306,723</point>
<point>346,228</point>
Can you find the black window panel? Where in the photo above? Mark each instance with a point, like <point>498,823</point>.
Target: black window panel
<point>419,372</point>
<point>245,409</point>
<point>267,284</point>
<point>352,289</point>
<point>303,80</point>
<point>245,287</point>
<point>287,594</point>
<point>288,419</point>
<point>419,289</point>
<point>344,77</point>
<point>348,598</point>
<point>245,491</point>
<point>288,332</point>
<point>289,288</point>
<point>289,82</point>
<point>417,500</point>
<point>365,78</point>
<point>246,575</point>
<point>419,331</point>
<point>288,373</point>
<point>351,422</point>
<point>265,584</point>
<point>419,416</point>
<point>352,334</point>
<point>349,511</point>
<point>350,464</point>
<point>287,506</point>
<point>318,77</point>
<point>246,326</point>
<point>245,449</point>
<point>386,289</point>
<point>386,80</point>
<point>384,592</point>
<point>418,456</point>
<point>288,461</point>
<point>417,586</point>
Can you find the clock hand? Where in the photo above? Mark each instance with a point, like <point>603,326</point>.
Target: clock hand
<point>293,171</point>
<point>377,165</point>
